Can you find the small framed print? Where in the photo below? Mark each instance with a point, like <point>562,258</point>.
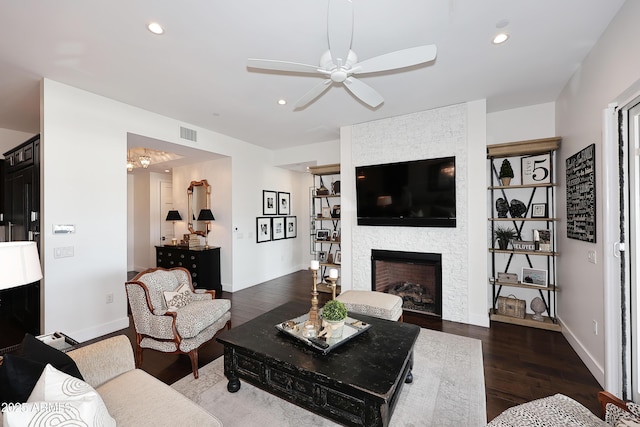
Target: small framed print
<point>269,203</point>
<point>291,227</point>
<point>338,258</point>
<point>322,256</point>
<point>277,228</point>
<point>326,212</point>
<point>322,235</point>
<point>536,169</point>
<point>535,277</point>
<point>284,203</point>
<point>539,210</point>
<point>335,236</point>
<point>263,229</point>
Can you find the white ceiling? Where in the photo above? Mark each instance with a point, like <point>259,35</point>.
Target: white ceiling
<point>196,72</point>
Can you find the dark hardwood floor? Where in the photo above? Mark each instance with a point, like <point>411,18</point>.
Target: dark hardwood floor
<point>520,364</point>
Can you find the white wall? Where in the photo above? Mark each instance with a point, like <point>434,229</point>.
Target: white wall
<point>76,126</point>
<point>218,175</point>
<point>612,66</point>
<point>455,130</point>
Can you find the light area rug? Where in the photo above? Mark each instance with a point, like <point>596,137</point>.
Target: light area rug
<point>447,390</point>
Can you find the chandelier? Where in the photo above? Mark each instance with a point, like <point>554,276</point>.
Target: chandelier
<point>129,162</point>
<point>145,160</point>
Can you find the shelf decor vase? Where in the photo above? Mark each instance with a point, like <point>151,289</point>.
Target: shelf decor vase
<point>505,181</point>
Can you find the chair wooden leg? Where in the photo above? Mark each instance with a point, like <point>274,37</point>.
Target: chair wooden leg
<point>193,355</point>
<point>138,355</point>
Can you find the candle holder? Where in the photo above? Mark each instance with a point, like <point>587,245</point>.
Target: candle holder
<point>332,284</point>
<point>314,318</point>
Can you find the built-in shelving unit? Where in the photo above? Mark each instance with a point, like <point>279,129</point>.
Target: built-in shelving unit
<point>324,211</point>
<point>536,160</point>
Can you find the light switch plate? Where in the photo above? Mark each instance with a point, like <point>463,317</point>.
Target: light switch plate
<point>64,228</point>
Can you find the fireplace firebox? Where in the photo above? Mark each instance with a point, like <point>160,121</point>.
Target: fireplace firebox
<point>414,276</point>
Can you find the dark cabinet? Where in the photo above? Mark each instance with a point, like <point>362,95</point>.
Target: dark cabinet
<point>203,264</point>
<point>20,218</point>
<point>21,206</point>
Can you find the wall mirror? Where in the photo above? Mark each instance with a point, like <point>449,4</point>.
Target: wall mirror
<point>198,195</point>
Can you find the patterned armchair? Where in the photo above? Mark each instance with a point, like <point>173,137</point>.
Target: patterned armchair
<point>169,316</point>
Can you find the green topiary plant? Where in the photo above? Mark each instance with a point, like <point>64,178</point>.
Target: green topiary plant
<point>505,170</point>
<point>334,311</point>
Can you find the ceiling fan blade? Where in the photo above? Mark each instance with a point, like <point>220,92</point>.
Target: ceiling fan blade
<point>398,59</point>
<point>364,92</point>
<point>340,30</point>
<point>313,93</point>
<point>294,67</point>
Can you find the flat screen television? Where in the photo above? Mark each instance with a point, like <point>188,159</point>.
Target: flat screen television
<point>419,193</point>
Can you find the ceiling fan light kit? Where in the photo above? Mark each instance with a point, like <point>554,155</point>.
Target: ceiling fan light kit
<point>340,64</point>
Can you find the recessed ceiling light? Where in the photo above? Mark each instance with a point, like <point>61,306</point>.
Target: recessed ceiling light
<point>282,102</point>
<point>155,28</point>
<point>500,38</point>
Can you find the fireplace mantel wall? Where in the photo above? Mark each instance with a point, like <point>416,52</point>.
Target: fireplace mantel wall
<point>457,130</point>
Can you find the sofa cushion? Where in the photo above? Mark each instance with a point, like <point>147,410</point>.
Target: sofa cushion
<point>198,315</point>
<point>60,399</point>
<point>20,373</point>
<point>135,398</point>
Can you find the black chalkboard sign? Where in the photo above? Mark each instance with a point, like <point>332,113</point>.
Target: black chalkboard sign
<point>581,195</point>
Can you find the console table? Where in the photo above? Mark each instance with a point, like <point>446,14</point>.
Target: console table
<point>203,264</point>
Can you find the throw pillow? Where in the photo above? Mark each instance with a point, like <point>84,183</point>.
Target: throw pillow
<point>178,298</point>
<point>60,399</point>
<point>19,374</point>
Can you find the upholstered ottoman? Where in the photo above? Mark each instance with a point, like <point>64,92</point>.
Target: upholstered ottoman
<point>372,303</point>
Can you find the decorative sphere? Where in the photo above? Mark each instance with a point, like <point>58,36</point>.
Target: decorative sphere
<point>517,208</point>
<point>538,307</point>
<point>502,206</point>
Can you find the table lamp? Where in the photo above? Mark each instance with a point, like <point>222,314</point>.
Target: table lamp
<point>206,215</point>
<point>19,263</point>
<point>174,216</point>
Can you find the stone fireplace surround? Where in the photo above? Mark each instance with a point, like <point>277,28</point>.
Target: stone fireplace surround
<point>459,131</point>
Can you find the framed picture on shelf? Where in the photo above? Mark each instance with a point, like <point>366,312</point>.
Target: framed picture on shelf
<point>536,169</point>
<point>263,229</point>
<point>539,210</point>
<point>543,237</point>
<point>338,258</point>
<point>326,212</point>
<point>322,256</point>
<point>335,236</point>
<point>269,202</point>
<point>291,227</point>
<point>277,226</point>
<point>322,234</point>
<point>284,203</point>
<point>535,277</point>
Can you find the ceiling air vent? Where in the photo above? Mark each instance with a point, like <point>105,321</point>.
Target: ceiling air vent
<point>190,134</point>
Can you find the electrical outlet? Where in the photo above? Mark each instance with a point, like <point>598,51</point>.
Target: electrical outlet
<point>109,298</point>
<point>591,257</point>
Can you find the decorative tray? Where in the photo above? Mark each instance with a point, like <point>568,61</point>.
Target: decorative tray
<point>294,328</point>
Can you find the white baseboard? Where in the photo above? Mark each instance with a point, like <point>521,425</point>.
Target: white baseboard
<point>594,367</point>
<point>99,330</point>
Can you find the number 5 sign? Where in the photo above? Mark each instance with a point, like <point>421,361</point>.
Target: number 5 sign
<point>536,169</point>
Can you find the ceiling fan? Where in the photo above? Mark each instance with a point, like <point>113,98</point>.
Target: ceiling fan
<point>340,64</point>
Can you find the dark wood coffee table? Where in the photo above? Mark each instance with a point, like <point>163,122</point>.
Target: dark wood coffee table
<point>356,384</point>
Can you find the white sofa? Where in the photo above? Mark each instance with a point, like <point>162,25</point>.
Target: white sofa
<point>133,397</point>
